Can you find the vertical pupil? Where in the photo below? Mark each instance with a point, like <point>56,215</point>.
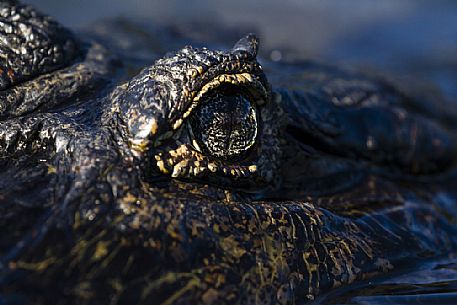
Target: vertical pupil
<point>225,125</point>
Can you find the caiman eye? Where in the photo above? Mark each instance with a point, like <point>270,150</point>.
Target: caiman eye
<point>225,124</point>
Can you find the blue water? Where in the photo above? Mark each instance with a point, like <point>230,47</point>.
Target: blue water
<point>432,283</point>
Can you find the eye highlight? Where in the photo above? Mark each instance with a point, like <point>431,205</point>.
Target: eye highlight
<point>225,125</point>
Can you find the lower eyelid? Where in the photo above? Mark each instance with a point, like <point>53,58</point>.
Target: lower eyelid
<point>184,162</point>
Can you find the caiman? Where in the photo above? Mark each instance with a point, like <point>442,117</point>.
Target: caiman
<point>208,176</point>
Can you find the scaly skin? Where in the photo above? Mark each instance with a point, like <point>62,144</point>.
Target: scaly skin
<point>105,197</point>
<point>31,44</point>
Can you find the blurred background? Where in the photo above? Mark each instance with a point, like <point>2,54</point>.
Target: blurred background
<point>410,38</point>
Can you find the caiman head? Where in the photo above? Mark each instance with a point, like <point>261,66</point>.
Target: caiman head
<point>197,188</point>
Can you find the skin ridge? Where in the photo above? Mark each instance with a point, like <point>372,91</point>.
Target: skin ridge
<point>32,43</point>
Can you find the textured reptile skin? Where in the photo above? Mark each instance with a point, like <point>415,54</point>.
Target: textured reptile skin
<point>106,197</point>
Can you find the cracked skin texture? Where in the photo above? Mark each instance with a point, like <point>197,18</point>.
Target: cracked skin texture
<point>105,196</point>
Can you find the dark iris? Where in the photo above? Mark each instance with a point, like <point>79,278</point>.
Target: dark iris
<point>225,125</point>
